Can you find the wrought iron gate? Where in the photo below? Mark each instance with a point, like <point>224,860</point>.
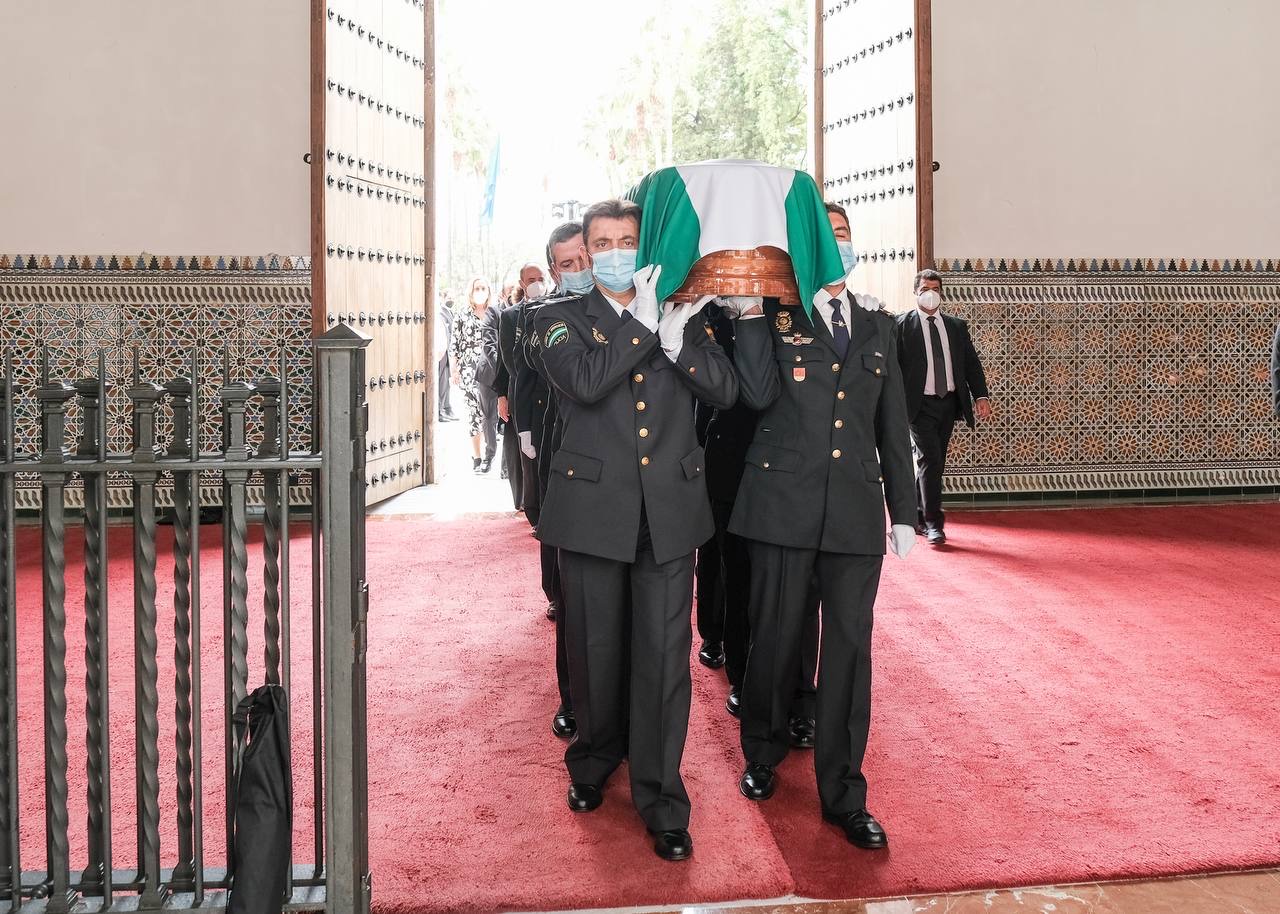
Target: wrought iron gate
<point>336,875</point>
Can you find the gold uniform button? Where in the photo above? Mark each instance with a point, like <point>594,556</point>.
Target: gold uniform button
<point>835,366</point>
<point>635,341</point>
<point>840,395</point>
<point>644,433</point>
<point>765,464</point>
<point>569,472</point>
<point>638,378</point>
<point>879,479</point>
<point>839,423</point>
<point>639,406</point>
<point>644,461</point>
<point>836,453</point>
<point>797,358</point>
<point>693,370</point>
<point>877,371</point>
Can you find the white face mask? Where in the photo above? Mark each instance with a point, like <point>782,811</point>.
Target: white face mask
<point>535,289</point>
<point>929,300</point>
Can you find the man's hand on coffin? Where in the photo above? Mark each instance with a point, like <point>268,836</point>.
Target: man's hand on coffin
<point>743,305</point>
<point>868,302</point>
<point>645,307</point>
<point>671,327</point>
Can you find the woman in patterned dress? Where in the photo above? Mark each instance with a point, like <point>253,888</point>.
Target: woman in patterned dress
<point>474,356</point>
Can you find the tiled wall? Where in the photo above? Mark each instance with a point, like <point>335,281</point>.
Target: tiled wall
<point>1118,374</point>
<point>247,311</point>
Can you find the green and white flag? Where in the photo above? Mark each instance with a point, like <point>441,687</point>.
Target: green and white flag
<point>735,204</point>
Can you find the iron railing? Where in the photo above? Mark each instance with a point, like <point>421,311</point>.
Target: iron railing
<point>336,877</point>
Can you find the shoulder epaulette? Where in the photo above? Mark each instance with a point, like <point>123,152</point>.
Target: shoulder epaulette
<point>556,299</point>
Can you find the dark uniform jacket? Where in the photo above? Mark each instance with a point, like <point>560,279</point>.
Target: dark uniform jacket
<point>508,323</point>
<point>626,441</point>
<point>832,444</point>
<point>966,367</point>
<point>729,431</point>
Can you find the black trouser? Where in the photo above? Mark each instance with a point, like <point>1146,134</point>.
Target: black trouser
<point>488,419</point>
<point>443,406</point>
<point>735,589</point>
<point>552,588</point>
<point>930,437</point>
<point>530,490</point>
<point>781,579</point>
<point>511,460</point>
<point>627,625</point>
<point>711,591</point>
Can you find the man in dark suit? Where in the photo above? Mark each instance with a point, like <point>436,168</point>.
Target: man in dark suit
<point>724,563</point>
<point>831,447</point>
<point>1275,373</point>
<point>944,383</point>
<point>535,417</point>
<point>626,506</point>
<point>532,284</point>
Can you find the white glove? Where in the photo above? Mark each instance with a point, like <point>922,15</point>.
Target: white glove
<point>901,538</point>
<point>738,305</point>
<point>645,307</point>
<point>526,445</point>
<point>671,328</point>
<point>868,303</point>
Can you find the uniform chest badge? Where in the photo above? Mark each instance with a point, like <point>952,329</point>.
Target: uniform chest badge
<point>799,340</point>
<point>598,336</point>
<point>556,334</point>
<point>783,321</point>
<point>797,373</point>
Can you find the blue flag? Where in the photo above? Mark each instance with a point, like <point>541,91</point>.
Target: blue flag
<point>491,183</point>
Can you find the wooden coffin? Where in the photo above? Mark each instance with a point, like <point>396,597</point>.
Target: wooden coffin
<point>765,271</point>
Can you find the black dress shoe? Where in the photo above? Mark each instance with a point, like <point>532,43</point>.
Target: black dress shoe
<point>564,724</point>
<point>475,464</point>
<point>712,654</point>
<point>486,465</point>
<point>802,732</point>
<point>675,844</point>
<point>552,609</point>
<point>733,704</point>
<point>758,782</point>
<point>861,828</point>
<point>935,536</point>
<point>584,797</point>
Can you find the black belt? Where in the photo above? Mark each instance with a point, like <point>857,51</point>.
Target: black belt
<point>936,397</point>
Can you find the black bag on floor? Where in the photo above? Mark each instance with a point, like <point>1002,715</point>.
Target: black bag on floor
<point>262,842</point>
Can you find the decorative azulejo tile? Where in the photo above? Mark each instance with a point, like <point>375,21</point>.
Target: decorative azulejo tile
<point>1111,374</point>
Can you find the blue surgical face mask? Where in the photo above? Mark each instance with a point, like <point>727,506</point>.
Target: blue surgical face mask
<point>848,256</point>
<point>579,283</point>
<point>615,269</point>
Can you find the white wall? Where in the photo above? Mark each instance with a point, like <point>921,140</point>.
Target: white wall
<point>1117,128</point>
<point>166,126</point>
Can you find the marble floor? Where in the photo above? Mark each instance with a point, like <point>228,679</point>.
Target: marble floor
<point>1254,892</point>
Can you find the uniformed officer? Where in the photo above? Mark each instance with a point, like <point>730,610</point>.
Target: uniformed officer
<point>535,417</point>
<point>830,448</point>
<point>724,571</point>
<point>627,506</point>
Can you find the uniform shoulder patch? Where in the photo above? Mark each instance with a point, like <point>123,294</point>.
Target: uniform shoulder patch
<point>556,334</point>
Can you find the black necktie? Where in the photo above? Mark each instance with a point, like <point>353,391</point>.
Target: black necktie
<point>939,360</point>
<point>839,329</point>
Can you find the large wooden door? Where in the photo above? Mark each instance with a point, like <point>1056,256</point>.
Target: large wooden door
<point>370,128</point>
<point>872,135</point>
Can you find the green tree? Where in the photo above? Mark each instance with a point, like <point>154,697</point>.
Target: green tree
<point>747,96</point>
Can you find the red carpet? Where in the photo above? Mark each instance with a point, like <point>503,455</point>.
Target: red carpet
<point>1060,696</point>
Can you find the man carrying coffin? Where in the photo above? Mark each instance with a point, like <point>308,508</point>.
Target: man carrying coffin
<point>831,447</point>
<point>626,507</point>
